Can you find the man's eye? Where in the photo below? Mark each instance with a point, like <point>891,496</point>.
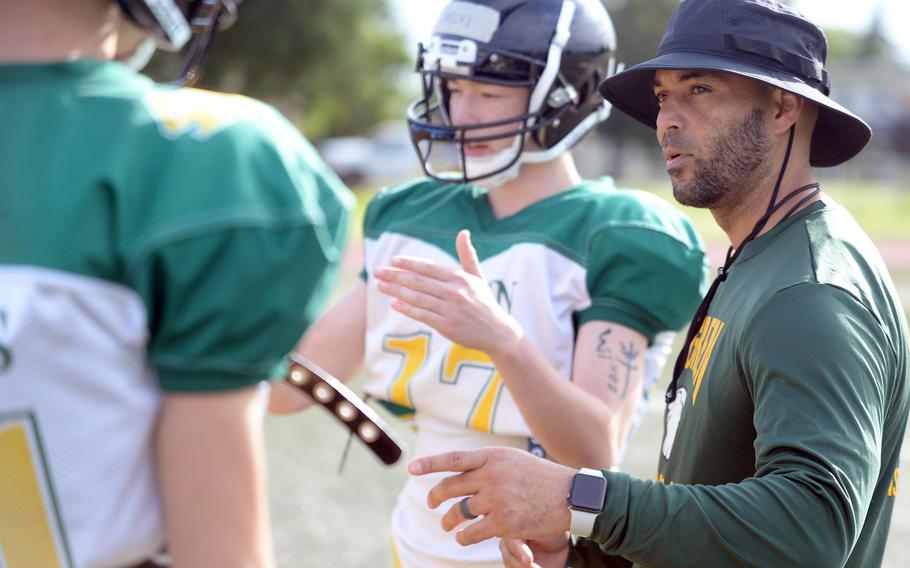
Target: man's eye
<point>700,89</point>
<point>660,97</point>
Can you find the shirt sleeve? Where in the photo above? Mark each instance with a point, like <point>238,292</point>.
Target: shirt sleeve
<point>239,251</point>
<point>229,305</point>
<point>817,365</point>
<point>643,278</point>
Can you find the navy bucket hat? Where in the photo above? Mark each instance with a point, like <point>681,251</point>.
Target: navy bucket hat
<point>758,39</point>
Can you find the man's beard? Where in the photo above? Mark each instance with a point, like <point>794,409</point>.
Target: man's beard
<point>729,166</point>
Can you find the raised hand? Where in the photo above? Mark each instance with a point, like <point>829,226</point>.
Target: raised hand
<point>456,302</point>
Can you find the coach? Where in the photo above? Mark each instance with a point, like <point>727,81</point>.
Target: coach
<point>789,401</point>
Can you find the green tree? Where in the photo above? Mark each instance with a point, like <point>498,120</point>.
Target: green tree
<point>869,45</point>
<point>874,43</point>
<point>332,67</point>
<point>639,27</point>
<point>842,44</point>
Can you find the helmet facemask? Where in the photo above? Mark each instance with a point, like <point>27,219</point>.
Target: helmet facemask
<point>441,144</point>
<point>188,25</point>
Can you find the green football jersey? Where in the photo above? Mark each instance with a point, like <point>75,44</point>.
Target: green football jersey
<point>151,238</point>
<point>782,446</point>
<point>591,252</point>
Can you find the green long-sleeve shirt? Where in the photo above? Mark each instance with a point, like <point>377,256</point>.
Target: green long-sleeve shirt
<point>782,446</point>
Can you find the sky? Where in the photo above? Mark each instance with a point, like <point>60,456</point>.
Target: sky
<point>417,17</point>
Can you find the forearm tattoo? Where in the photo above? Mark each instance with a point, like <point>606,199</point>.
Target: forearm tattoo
<point>621,362</point>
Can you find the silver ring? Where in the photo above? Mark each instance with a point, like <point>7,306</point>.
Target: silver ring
<point>465,512</point>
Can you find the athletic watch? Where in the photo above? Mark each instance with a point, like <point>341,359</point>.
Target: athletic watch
<point>586,499</point>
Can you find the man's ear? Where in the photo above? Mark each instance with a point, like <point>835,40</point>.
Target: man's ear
<point>788,109</point>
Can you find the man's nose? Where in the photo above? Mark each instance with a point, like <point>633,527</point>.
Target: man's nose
<point>669,117</point>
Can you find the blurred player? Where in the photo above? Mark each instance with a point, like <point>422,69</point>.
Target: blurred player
<point>542,324</point>
<point>161,249</point>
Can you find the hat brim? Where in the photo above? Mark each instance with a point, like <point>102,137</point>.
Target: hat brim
<point>839,134</point>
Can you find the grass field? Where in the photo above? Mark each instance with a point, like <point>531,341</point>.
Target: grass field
<point>321,518</point>
<point>882,208</point>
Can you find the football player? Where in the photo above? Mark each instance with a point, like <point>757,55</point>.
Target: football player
<point>161,250</point>
<point>508,302</point>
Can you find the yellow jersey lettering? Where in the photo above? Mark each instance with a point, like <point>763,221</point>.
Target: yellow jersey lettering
<point>30,533</point>
<point>702,349</point>
<point>195,112</point>
<point>413,350</point>
<point>481,415</point>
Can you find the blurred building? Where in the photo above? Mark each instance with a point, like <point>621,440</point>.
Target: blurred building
<point>878,91</point>
<point>384,155</point>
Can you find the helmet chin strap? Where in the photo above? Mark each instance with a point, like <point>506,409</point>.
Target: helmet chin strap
<point>492,163</point>
<point>481,166</point>
<point>484,165</point>
<point>170,17</point>
<point>141,56</point>
<point>554,57</point>
<point>570,139</point>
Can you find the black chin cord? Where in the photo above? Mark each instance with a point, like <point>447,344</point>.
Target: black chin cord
<point>702,312</point>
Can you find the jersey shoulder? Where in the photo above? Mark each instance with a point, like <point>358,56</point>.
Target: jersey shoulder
<point>230,154</point>
<point>636,243</point>
<point>828,247</point>
<point>401,203</point>
<point>198,162</point>
<point>610,207</point>
<point>580,220</point>
<point>179,112</point>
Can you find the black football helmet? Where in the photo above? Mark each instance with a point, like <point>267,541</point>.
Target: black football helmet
<point>188,25</point>
<point>560,49</point>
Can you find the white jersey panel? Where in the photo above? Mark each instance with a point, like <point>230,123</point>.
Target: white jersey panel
<point>411,365</point>
<point>459,399</point>
<point>417,525</point>
<point>77,344</point>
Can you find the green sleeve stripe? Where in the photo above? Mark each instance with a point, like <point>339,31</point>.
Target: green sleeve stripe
<point>607,309</point>
<point>400,411</point>
<point>649,228</point>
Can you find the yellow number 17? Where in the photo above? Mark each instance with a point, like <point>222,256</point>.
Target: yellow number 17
<point>414,350</point>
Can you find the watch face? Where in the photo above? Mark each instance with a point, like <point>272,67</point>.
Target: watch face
<point>588,492</point>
